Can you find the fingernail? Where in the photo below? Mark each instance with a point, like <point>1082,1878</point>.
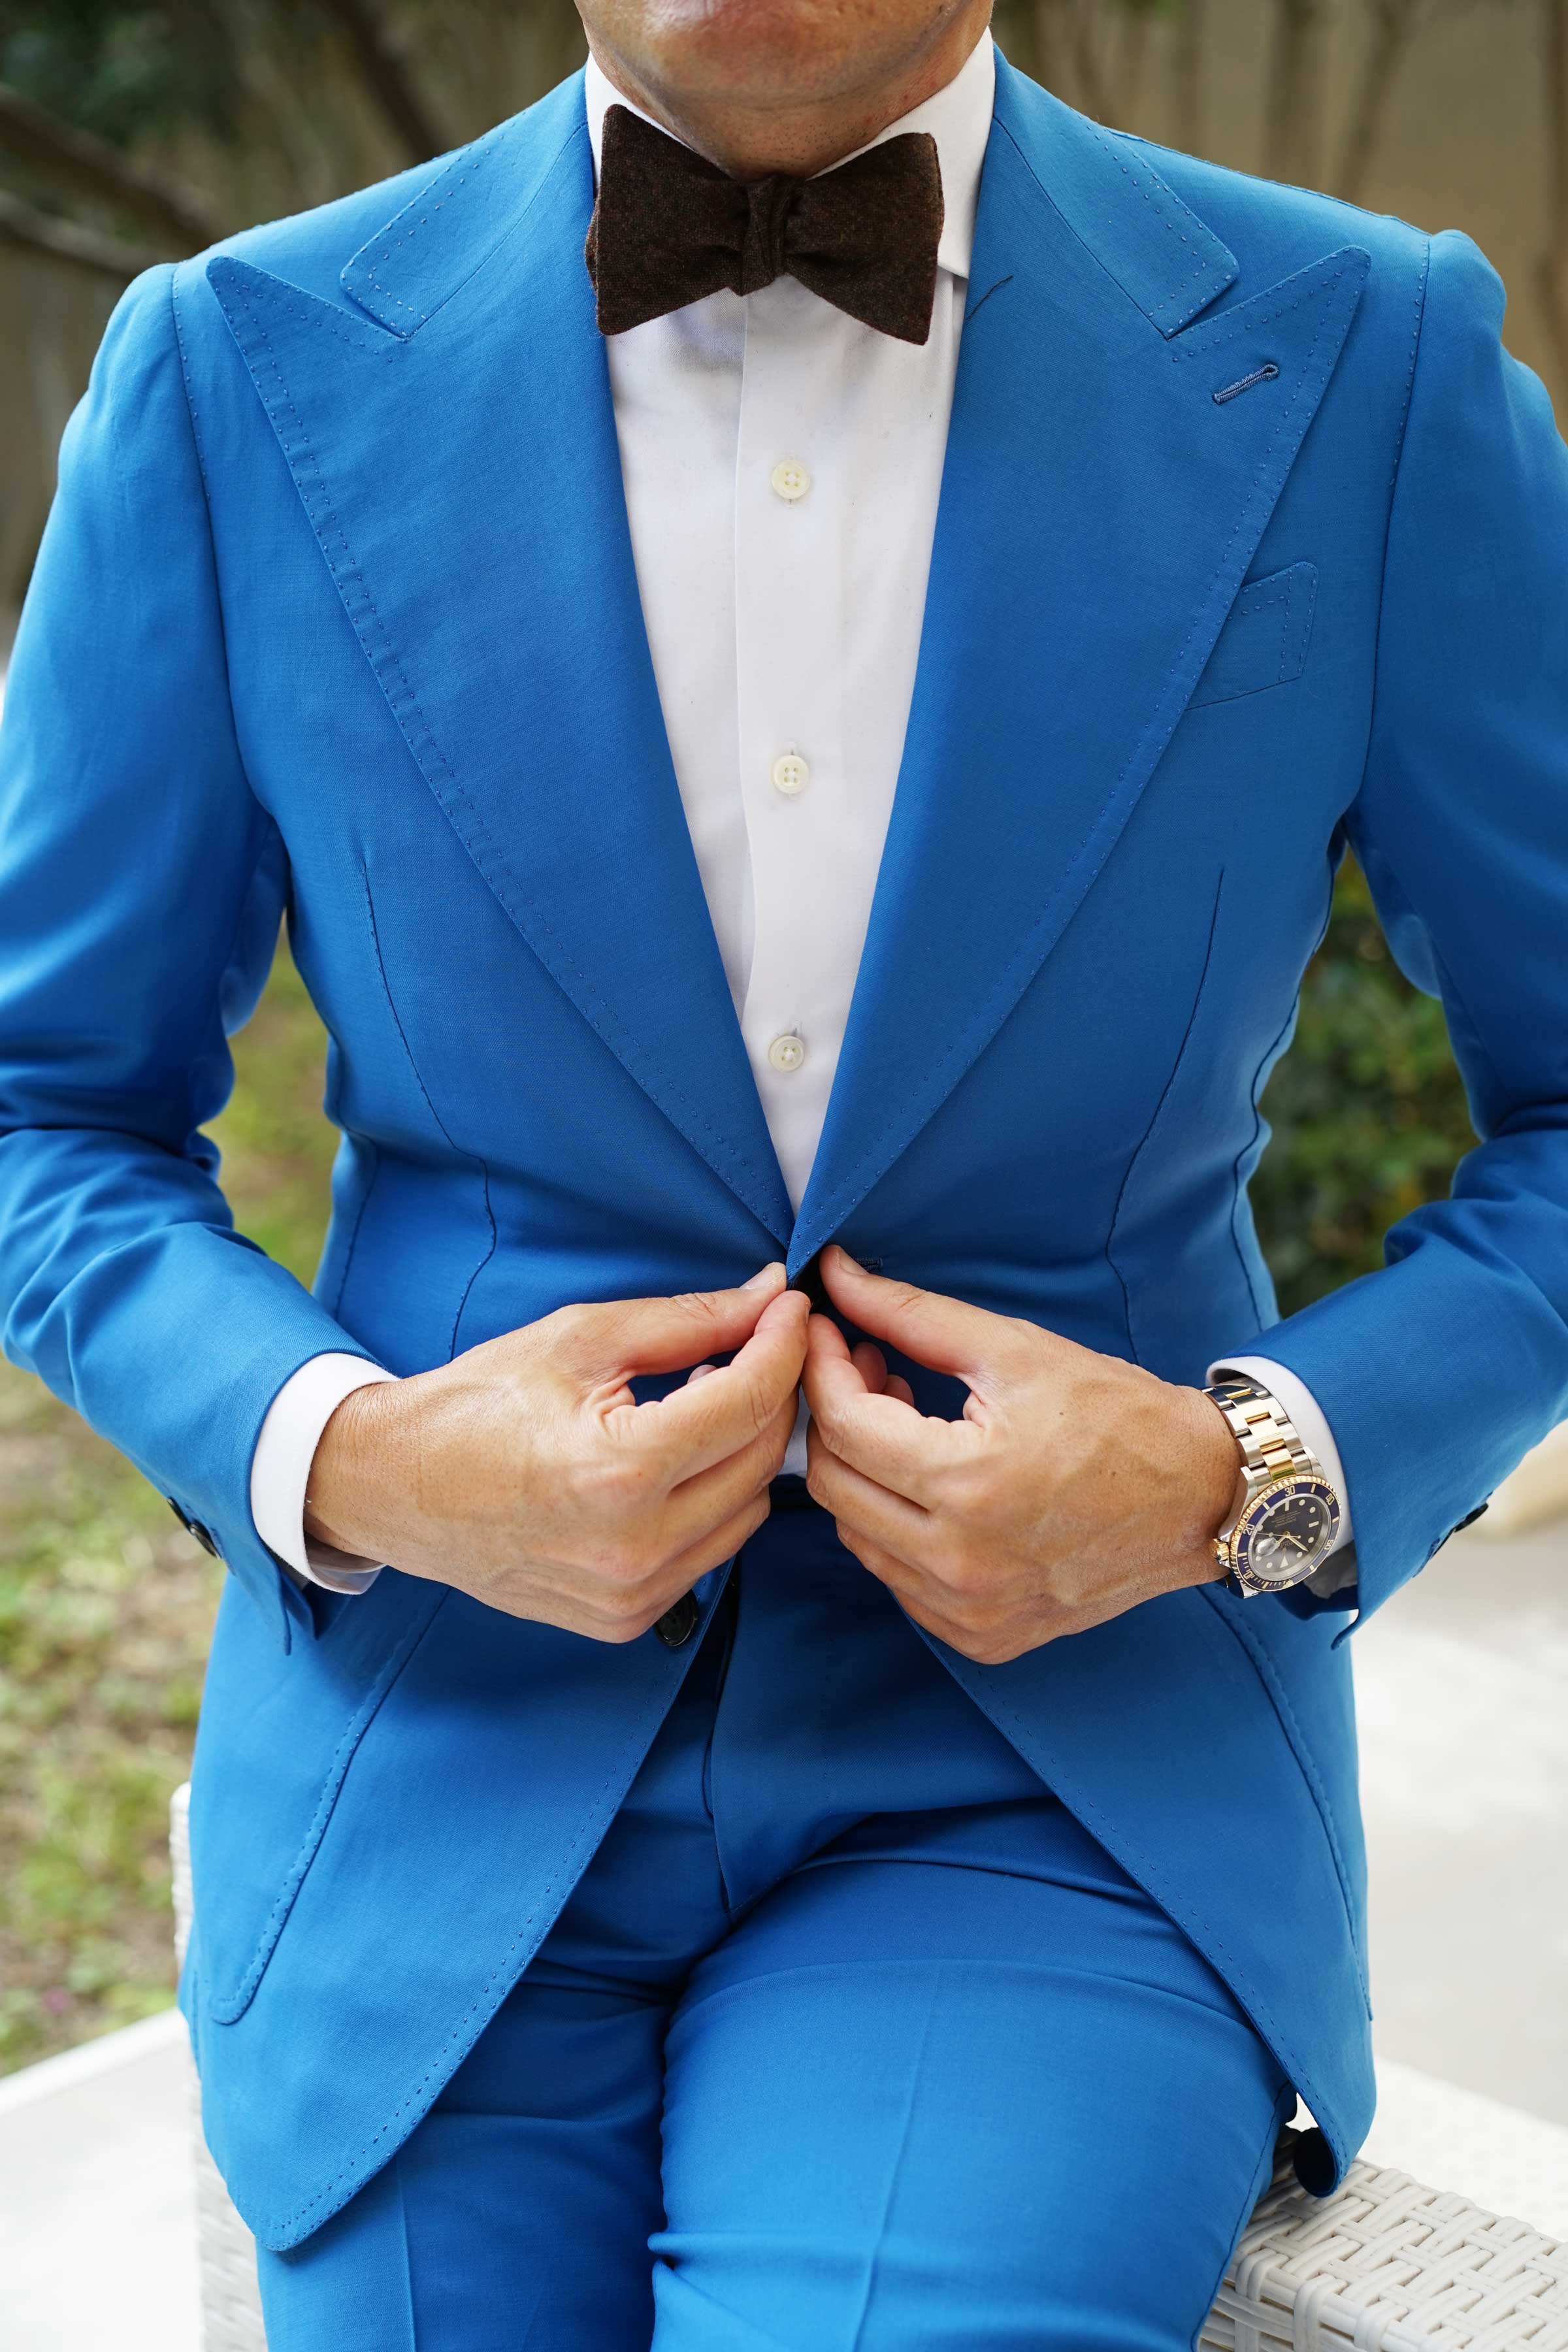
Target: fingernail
<point>765,1280</point>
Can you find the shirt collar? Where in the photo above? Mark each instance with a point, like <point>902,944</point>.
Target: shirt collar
<point>957,118</point>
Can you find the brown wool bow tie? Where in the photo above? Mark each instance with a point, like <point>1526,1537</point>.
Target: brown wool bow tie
<point>670,227</point>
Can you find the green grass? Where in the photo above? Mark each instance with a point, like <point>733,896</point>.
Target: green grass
<point>106,1605</point>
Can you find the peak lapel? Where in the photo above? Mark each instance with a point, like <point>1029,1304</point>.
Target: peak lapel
<point>458,463</point>
<point>1099,512</point>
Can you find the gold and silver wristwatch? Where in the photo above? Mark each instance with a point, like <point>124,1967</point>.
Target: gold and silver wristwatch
<point>1289,1513</point>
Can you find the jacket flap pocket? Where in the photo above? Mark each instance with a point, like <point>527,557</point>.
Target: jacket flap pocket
<point>1264,642</point>
<point>254,1831</point>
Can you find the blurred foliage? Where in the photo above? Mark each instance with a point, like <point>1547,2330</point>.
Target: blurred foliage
<point>1368,1112</point>
<point>122,73</point>
<point>265,107</point>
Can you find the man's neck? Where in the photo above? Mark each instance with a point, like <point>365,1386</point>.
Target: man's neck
<point>751,136</point>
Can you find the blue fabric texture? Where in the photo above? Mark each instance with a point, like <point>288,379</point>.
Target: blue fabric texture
<point>850,2038</point>
<point>336,615</point>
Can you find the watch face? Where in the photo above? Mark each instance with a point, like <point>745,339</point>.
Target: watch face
<point>1287,1531</point>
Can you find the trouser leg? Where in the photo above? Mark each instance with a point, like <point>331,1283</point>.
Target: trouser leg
<point>914,2107</point>
<point>517,2217</point>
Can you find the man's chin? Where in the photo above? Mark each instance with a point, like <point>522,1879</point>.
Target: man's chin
<point>774,55</point>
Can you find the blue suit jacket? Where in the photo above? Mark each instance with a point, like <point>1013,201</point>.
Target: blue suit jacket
<point>1252,542</point>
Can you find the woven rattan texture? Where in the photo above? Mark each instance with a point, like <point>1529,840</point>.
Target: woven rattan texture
<point>1386,2265</point>
<point>231,2305</point>
<point>225,2251</point>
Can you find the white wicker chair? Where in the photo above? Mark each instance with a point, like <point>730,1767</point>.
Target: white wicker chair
<point>1384,2265</point>
<point>225,2251</point>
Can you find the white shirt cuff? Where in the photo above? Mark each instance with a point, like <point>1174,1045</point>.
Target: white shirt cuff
<point>1337,1574</point>
<point>281,1470</point>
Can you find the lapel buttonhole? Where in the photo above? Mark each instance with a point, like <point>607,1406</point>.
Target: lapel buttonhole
<point>1265,374</point>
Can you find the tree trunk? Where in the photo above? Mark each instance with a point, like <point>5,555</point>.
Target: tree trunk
<point>1293,127</point>
<point>1084,30</point>
<point>386,78</point>
<point>1393,23</point>
<point>84,166</point>
<point>1554,264</point>
<point>1131,58</point>
<point>1050,47</point>
<point>1187,72</point>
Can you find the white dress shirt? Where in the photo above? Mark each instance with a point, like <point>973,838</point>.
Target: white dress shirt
<point>782,465</point>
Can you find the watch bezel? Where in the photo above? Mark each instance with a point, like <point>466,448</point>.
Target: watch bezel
<point>1261,1506</point>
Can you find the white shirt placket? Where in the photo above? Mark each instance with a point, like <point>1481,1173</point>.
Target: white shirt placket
<point>791,502</point>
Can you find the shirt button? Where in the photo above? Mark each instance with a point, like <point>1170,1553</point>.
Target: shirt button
<point>790,479</point>
<point>788,1052</point>
<point>790,774</point>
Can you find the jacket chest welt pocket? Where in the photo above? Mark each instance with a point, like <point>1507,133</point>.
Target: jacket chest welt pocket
<point>1264,642</point>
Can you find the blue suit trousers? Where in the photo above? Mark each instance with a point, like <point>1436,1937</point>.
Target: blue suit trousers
<point>850,2038</point>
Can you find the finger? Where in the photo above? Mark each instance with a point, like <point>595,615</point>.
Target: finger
<point>664,1335</point>
<point>721,1544</point>
<point>706,1421</point>
<point>708,1499</point>
<point>870,1510</point>
<point>885,1566</point>
<point>731,1513</point>
<point>872,1367</point>
<point>700,1372</point>
<point>929,1605</point>
<point>918,1595</point>
<point>944,1333</point>
<point>880,1435</point>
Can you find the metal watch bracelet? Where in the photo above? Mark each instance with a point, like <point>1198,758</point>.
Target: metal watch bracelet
<point>1271,1445</point>
<point>1280,1472</point>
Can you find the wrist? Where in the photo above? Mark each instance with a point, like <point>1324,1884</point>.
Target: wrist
<point>352,1493</point>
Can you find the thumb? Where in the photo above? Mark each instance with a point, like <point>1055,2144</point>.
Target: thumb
<point>944,1334</point>
<point>666,1335</point>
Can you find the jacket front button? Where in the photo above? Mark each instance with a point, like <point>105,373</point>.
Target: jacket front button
<point>677,1625</point>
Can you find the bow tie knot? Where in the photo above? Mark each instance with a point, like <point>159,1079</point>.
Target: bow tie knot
<point>769,204</point>
<point>670,227</point>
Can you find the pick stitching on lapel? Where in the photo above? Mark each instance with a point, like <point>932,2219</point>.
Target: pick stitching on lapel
<point>458,464</point>
<point>1099,512</point>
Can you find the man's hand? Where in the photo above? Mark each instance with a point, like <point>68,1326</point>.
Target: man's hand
<point>1074,1485</point>
<point>524,1474</point>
